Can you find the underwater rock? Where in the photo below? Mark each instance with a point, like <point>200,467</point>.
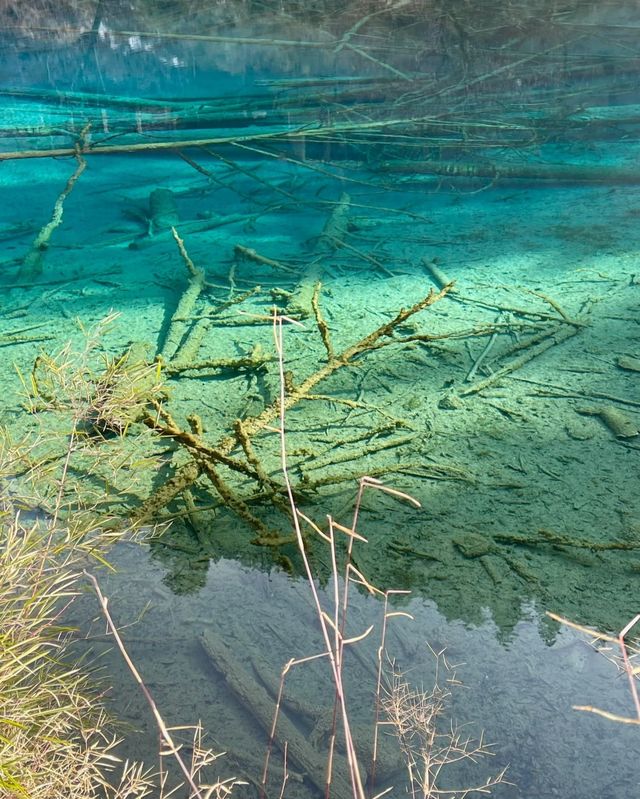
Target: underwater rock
<point>473,545</point>
<point>579,431</point>
<point>450,402</point>
<point>628,364</point>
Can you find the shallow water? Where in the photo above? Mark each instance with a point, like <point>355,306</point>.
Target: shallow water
<point>385,152</point>
<point>519,690</point>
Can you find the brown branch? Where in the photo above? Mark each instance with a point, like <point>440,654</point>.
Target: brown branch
<point>207,456</point>
<point>323,328</point>
<point>345,358</point>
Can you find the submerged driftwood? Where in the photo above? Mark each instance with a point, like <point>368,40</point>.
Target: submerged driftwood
<point>163,211</point>
<point>181,316</point>
<point>617,421</point>
<point>574,173</point>
<point>255,699</point>
<point>330,239</point>
<point>33,263</point>
<point>210,458</point>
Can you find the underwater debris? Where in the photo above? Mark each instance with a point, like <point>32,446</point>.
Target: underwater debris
<point>163,211</point>
<point>331,238</point>
<point>618,422</point>
<point>33,263</point>
<point>629,364</point>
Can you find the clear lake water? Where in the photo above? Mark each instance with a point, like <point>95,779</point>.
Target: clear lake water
<point>179,170</point>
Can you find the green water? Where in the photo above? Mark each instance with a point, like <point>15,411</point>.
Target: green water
<point>383,150</point>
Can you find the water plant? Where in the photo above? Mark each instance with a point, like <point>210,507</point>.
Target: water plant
<point>431,741</point>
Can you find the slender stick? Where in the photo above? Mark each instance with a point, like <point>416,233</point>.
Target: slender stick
<point>386,615</point>
<point>200,37</point>
<point>165,735</point>
<point>627,666</point>
<point>334,658</point>
<point>627,663</point>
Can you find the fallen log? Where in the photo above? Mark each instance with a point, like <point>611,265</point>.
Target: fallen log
<point>33,263</point>
<point>330,239</point>
<point>255,699</point>
<point>573,173</point>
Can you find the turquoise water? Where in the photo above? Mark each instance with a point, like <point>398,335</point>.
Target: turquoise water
<point>384,151</point>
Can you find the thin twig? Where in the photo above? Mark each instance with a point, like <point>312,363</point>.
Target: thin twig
<point>172,748</point>
<point>334,656</point>
<point>627,666</point>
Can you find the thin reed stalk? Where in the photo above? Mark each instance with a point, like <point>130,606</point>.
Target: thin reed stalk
<point>332,626</point>
<point>332,651</point>
<point>386,615</point>
<point>624,660</point>
<point>165,734</point>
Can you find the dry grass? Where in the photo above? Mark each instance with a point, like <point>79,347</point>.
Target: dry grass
<point>431,742</point>
<point>56,740</point>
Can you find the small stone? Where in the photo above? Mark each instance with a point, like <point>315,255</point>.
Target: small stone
<point>629,364</point>
<point>472,545</point>
<point>580,431</point>
<point>450,402</point>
